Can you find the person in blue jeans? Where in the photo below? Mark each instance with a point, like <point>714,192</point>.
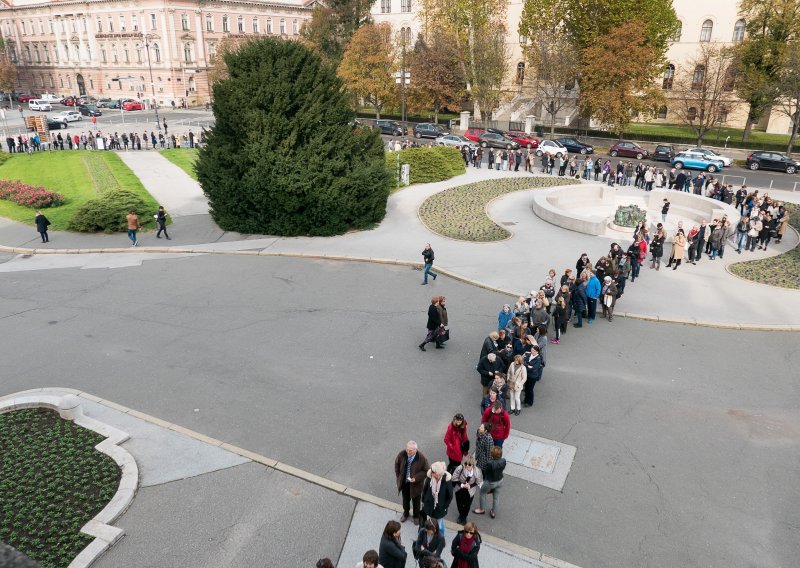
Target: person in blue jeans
<point>133,226</point>
<point>427,256</point>
<point>592,293</point>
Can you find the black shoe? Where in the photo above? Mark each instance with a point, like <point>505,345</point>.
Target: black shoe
<point>577,325</point>
<point>439,346</point>
<point>158,237</point>
<point>422,346</point>
<point>434,276</point>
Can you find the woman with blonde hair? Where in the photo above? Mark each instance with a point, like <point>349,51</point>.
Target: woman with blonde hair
<point>467,478</point>
<point>678,244</point>
<point>515,379</point>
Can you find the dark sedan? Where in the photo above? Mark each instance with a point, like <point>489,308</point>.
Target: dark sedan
<point>494,140</point>
<point>663,153</point>
<point>55,124</point>
<point>428,130</point>
<point>772,161</point>
<point>389,127</point>
<point>575,146</point>
<point>89,110</point>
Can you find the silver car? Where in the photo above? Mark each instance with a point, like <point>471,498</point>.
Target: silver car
<point>712,155</point>
<point>455,140</point>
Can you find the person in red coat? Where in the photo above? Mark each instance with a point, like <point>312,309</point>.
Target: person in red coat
<point>500,421</point>
<point>456,440</point>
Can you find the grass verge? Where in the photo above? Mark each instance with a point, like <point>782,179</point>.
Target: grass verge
<point>460,212</point>
<point>653,129</point>
<point>184,158</point>
<point>782,270</point>
<point>52,481</point>
<point>78,175</point>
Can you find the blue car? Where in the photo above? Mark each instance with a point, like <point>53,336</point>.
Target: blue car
<point>697,161</point>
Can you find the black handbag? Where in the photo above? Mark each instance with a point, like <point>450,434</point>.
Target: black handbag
<point>465,447</point>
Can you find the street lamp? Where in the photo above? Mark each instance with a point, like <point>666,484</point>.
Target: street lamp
<point>146,47</point>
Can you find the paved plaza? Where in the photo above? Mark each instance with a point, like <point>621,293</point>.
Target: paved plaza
<point>650,443</point>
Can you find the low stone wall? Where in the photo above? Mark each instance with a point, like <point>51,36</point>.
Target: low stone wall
<point>694,206</point>
<point>553,205</point>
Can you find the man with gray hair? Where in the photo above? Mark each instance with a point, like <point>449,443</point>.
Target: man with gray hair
<point>410,469</point>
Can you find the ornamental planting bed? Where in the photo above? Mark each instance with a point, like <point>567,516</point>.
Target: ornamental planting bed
<point>52,481</point>
<point>31,196</point>
<point>782,270</point>
<point>460,212</point>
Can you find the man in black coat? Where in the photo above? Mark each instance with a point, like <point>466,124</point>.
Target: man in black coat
<point>41,225</point>
<point>434,325</point>
<point>702,236</point>
<point>427,257</point>
<point>488,367</point>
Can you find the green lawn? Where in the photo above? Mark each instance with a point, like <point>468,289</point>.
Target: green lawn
<point>184,158</point>
<point>78,175</point>
<point>651,129</point>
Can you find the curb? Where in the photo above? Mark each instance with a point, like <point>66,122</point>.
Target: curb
<point>273,464</point>
<point>409,263</point>
<point>105,535</point>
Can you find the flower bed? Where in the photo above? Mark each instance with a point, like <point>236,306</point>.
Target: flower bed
<point>52,481</point>
<point>460,212</point>
<point>31,196</point>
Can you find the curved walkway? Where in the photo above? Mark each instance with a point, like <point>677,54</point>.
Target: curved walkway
<point>696,295</point>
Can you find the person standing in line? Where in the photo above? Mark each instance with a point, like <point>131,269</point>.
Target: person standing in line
<point>430,542</point>
<point>41,226</point>
<point>533,369</point>
<point>324,563</point>
<point>609,295</point>
<point>466,546</point>
<point>592,293</point>
<point>703,235</point>
<point>434,325</point>
<point>428,257</point>
<point>515,379</point>
<point>467,478</point>
<point>165,127</point>
<point>456,441</point>
<point>437,494</point>
<point>492,481</point>
<point>369,560</point>
<point>500,421</point>
<point>191,139</point>
<point>161,221</point>
<point>133,226</point>
<point>665,210</point>
<point>410,466</point>
<point>392,553</point>
<point>678,244</point>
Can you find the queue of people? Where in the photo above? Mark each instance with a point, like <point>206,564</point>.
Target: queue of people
<point>104,141</point>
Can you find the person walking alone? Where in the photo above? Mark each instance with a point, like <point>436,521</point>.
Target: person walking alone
<point>133,226</point>
<point>427,256</point>
<point>41,226</point>
<point>434,325</point>
<point>161,221</point>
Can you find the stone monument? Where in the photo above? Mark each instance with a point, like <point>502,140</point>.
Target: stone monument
<point>629,216</point>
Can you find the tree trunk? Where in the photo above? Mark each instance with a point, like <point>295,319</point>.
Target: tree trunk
<point>471,46</point>
<point>795,126</point>
<point>552,125</point>
<point>749,126</point>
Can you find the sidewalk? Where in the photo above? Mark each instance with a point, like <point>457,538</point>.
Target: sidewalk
<point>205,504</point>
<point>704,294</point>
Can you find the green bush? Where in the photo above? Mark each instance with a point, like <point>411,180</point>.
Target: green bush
<point>428,164</point>
<point>282,158</point>
<point>107,213</point>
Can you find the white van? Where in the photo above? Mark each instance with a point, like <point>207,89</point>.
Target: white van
<point>39,104</point>
<point>50,98</point>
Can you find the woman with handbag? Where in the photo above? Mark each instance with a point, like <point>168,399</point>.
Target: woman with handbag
<point>517,375</point>
<point>429,542</point>
<point>456,441</point>
<point>467,479</point>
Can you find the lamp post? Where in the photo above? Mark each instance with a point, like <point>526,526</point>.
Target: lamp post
<point>152,83</point>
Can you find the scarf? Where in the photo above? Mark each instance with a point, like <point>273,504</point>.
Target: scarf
<point>466,546</point>
<point>435,486</point>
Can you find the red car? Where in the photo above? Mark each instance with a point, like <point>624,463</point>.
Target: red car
<point>474,134</point>
<point>132,105</point>
<point>525,140</point>
<point>25,98</point>
<point>628,150</point>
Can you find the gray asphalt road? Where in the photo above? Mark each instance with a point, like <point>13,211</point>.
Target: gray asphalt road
<point>687,437</point>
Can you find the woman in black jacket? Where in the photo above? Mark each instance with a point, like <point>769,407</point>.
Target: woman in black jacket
<point>41,226</point>
<point>392,553</point>
<point>466,546</point>
<point>429,542</point>
<point>657,248</point>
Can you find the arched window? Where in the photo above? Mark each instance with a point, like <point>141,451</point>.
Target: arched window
<point>255,25</point>
<point>156,53</point>
<point>706,30</point>
<point>187,53</point>
<point>520,73</point>
<point>269,25</point>
<point>698,77</point>
<point>240,24</point>
<point>662,112</point>
<point>226,27</point>
<point>283,27</point>
<point>678,32</point>
<point>209,23</point>
<point>738,30</point>
<point>669,75</point>
<point>692,114</point>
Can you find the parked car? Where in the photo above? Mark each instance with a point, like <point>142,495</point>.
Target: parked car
<point>68,101</point>
<point>39,104</point>
<point>49,97</point>
<point>428,130</point>
<point>494,140</point>
<point>455,140</point>
<point>114,104</point>
<point>103,103</point>
<point>68,116</point>
<point>712,155</point>
<point>525,140</point>
<point>696,161</point>
<point>552,148</point>
<point>772,161</point>
<point>90,110</point>
<point>663,153</point>
<point>24,98</point>
<point>55,124</point>
<point>497,131</point>
<point>390,127</point>
<point>628,150</point>
<point>575,146</point>
<point>132,105</point>
<point>474,134</point>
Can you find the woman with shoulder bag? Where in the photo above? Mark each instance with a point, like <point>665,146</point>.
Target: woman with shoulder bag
<point>517,375</point>
<point>430,542</point>
<point>467,479</point>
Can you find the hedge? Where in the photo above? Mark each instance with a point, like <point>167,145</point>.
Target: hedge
<point>108,212</point>
<point>428,164</point>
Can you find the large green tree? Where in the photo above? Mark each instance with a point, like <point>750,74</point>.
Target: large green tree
<point>437,81</point>
<point>332,24</point>
<point>282,157</point>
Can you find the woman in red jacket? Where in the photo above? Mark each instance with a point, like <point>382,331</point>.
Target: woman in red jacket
<point>500,421</point>
<point>456,440</point>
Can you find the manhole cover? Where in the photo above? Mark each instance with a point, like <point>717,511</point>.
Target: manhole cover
<point>509,223</point>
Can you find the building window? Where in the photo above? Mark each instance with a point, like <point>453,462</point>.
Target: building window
<point>91,83</point>
<point>405,35</point>
<point>114,57</point>
<point>662,112</point>
<point>55,52</point>
<point>669,75</point>
<point>520,73</point>
<point>405,5</point>
<point>185,22</point>
<point>41,30</point>
<point>64,26</point>
<point>240,24</point>
<point>127,53</point>
<point>103,54</point>
<point>156,53</point>
<point>706,30</point>
<point>212,50</point>
<point>83,25</point>
<point>52,27</point>
<point>209,23</point>
<point>282,27</point>
<point>386,6</point>
<point>523,40</point>
<point>722,116</point>
<point>692,114</point>
<point>255,25</point>
<point>187,52</point>
<point>50,81</point>
<point>738,31</point>
<point>192,87</point>
<point>122,24</point>
<point>46,53</point>
<point>269,26</point>
<point>698,77</point>
<point>110,25</point>
<point>138,56</point>
<point>153,21</point>
<point>69,81</point>
<point>225,25</point>
<point>678,32</point>
<point>36,54</point>
<point>61,81</point>
<point>24,32</point>
<point>99,26</point>
<point>135,23</point>
<point>296,28</point>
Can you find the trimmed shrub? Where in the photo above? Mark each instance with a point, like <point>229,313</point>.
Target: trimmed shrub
<point>428,164</point>
<point>107,212</point>
<point>31,196</point>
<point>282,158</point>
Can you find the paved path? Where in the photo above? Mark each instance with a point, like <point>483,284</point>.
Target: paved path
<point>701,294</point>
<point>170,185</point>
